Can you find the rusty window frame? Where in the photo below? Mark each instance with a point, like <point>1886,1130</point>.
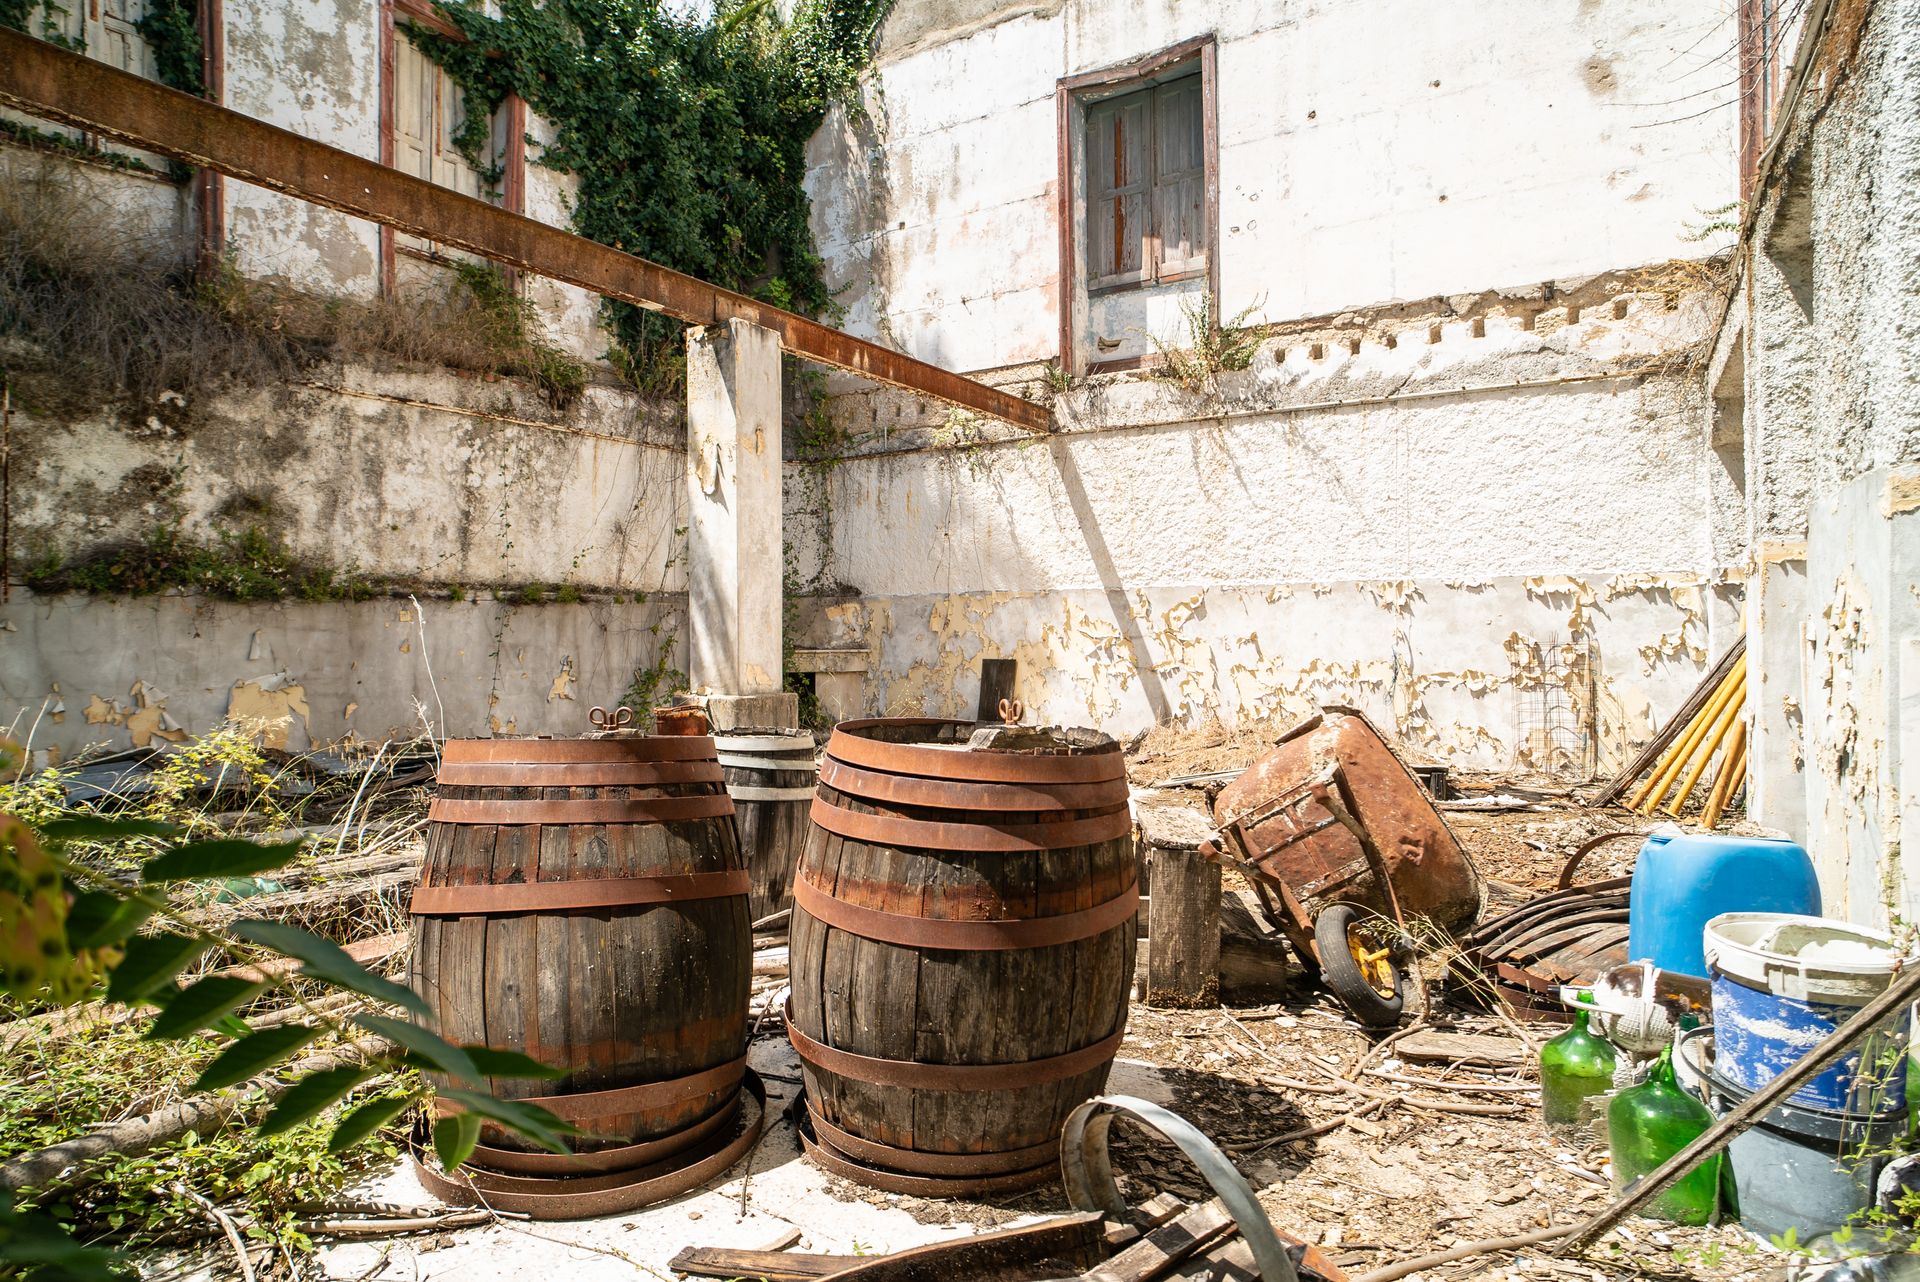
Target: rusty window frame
<point>1072,97</point>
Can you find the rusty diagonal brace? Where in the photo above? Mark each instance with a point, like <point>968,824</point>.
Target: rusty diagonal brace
<point>72,89</point>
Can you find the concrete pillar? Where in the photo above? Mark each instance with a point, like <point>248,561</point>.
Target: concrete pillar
<point>735,554</point>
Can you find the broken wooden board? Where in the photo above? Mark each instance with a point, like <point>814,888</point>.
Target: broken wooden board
<point>1463,1048</point>
<point>774,1266</point>
<point>1056,1247</point>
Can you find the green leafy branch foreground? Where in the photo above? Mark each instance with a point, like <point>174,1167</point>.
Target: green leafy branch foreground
<point>687,131</point>
<point>68,930</point>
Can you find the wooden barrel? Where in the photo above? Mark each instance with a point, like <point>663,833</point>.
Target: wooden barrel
<point>962,946</point>
<point>770,776</point>
<point>583,901</point>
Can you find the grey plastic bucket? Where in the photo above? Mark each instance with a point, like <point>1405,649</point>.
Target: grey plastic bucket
<point>1796,1168</point>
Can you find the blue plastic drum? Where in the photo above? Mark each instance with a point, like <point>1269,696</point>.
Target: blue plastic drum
<point>1682,880</point>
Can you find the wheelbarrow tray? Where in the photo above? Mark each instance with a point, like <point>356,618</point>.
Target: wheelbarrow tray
<point>1301,820</point>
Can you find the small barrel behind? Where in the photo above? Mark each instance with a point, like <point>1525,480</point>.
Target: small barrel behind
<point>583,901</point>
<point>770,776</point>
<point>962,946</point>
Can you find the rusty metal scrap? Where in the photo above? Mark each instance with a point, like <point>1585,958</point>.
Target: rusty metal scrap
<point>68,88</point>
<point>1521,958</point>
<point>1304,816</point>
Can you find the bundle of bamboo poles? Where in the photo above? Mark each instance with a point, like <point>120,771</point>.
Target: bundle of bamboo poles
<point>1719,727</point>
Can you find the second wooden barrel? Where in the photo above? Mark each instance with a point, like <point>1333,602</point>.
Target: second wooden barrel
<point>770,776</point>
<point>584,901</point>
<point>962,946</point>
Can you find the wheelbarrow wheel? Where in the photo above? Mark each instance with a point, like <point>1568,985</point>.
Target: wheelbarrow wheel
<point>1366,978</point>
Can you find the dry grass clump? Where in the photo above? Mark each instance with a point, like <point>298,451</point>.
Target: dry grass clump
<point>93,306</point>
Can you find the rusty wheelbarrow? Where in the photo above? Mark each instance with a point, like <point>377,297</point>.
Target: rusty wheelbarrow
<point>1346,853</point>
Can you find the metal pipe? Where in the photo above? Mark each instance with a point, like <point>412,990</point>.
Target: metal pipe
<point>1655,790</point>
<point>1731,770</point>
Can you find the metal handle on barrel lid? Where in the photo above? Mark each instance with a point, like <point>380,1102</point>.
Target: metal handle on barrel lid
<point>1088,1174</point>
<point>1011,710</point>
<point>618,719</point>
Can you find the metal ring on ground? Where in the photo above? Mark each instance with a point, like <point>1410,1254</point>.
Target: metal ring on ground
<point>1090,1185</point>
<point>909,1161</point>
<point>628,1157</point>
<point>828,1159</point>
<point>567,1200</point>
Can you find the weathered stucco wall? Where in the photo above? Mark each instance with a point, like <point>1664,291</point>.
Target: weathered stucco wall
<point>423,476</point>
<point>1828,333</point>
<point>1368,152</point>
<point>80,671</point>
<point>1514,576</point>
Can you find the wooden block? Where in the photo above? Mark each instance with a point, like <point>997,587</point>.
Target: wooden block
<point>1183,930</point>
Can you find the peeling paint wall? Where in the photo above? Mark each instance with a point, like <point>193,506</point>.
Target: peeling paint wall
<point>1828,332</point>
<point>84,672</point>
<point>1511,577</point>
<point>1463,484</point>
<point>418,475</point>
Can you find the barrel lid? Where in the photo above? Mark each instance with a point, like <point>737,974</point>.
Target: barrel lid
<point>937,748</point>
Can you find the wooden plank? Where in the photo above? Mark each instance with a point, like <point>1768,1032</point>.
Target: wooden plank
<point>1166,1246</point>
<point>1465,1048</point>
<point>71,89</point>
<point>774,1266</point>
<point>997,678</point>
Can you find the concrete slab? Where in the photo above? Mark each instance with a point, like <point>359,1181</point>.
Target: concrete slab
<point>760,1199</point>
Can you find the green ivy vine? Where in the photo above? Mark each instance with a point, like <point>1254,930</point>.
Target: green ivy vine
<point>172,29</point>
<point>688,133</point>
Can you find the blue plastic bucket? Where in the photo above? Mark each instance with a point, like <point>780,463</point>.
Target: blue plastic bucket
<point>1682,880</point>
<point>1781,984</point>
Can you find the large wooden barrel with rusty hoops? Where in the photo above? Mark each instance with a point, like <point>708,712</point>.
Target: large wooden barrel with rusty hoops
<point>770,776</point>
<point>583,901</point>
<point>961,950</point>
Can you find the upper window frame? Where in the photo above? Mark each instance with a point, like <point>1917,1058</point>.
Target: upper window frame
<point>511,123</point>
<point>1073,95</point>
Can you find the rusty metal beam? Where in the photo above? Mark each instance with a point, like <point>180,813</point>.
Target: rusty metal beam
<point>70,89</point>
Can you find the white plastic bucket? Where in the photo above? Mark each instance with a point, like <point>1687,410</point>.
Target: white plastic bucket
<point>1810,959</point>
<point>1782,983</point>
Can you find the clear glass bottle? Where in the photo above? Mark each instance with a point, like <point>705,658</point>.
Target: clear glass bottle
<point>1649,1123</point>
<point>1574,1067</point>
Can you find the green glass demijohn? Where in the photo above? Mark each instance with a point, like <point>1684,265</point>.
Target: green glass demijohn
<point>1574,1067</point>
<point>1649,1123</point>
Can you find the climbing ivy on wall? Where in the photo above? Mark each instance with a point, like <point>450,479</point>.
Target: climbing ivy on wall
<point>688,132</point>
<point>172,29</point>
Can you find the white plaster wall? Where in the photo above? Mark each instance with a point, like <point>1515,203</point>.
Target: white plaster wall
<point>1368,152</point>
<point>1508,577</point>
<point>83,672</point>
<point>1832,440</point>
<point>423,476</point>
<point>312,66</point>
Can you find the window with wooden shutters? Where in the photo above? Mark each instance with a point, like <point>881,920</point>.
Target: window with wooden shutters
<point>1146,186</point>
<point>427,108</point>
